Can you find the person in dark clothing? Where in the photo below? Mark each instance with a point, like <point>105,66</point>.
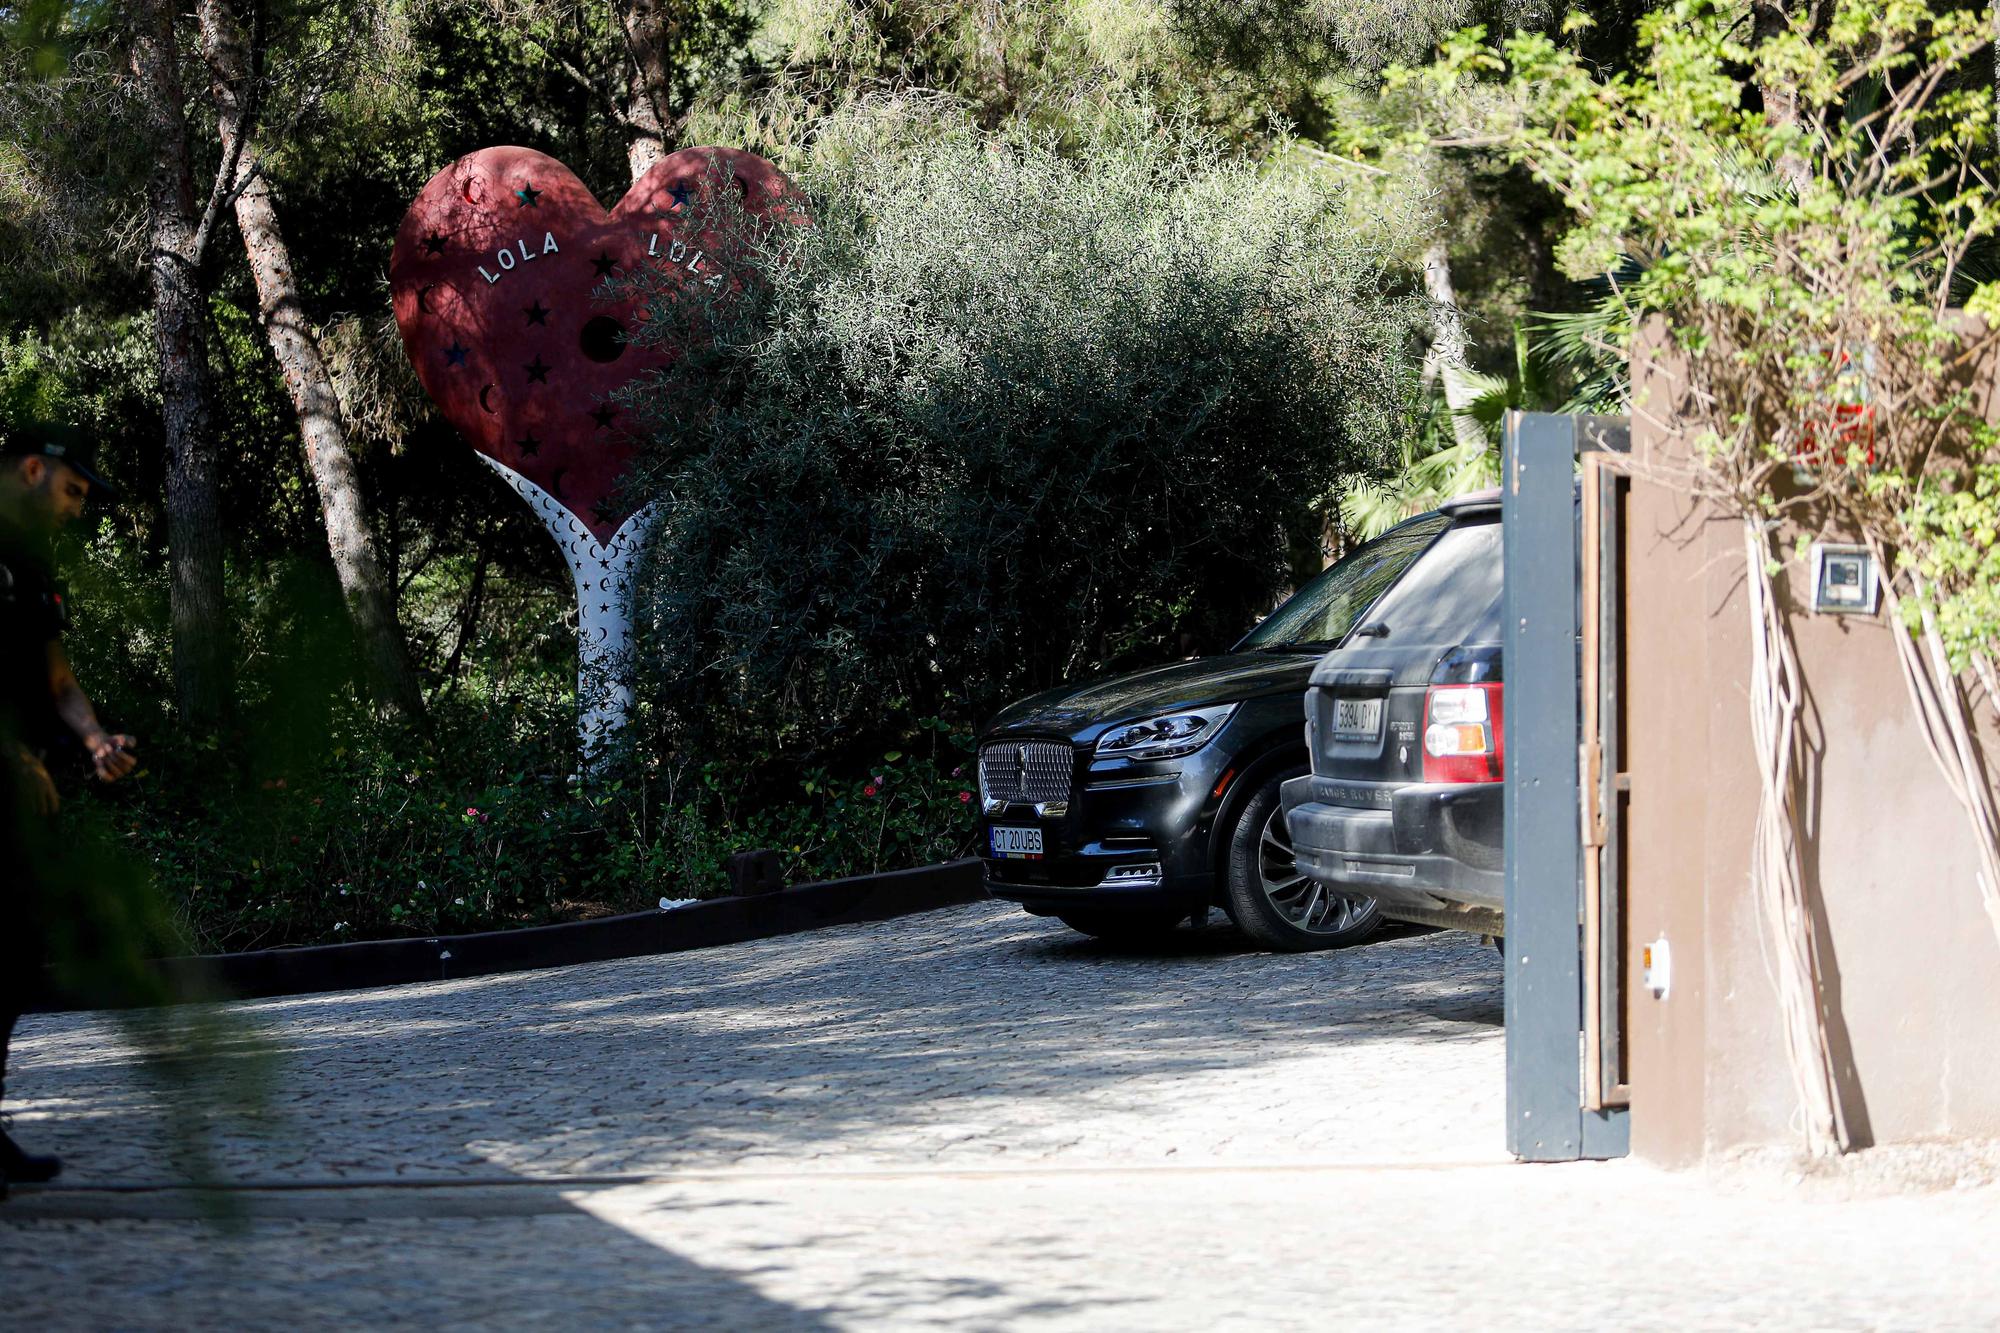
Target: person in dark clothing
<point>46,476</point>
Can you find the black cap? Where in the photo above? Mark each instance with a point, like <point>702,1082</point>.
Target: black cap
<point>66,444</point>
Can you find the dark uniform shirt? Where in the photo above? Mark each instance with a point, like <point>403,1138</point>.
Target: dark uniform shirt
<point>32,616</point>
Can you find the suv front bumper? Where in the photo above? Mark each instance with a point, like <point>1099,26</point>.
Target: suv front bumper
<point>1122,818</point>
<point>1427,852</point>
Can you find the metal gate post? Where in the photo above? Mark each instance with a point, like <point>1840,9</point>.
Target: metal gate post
<point>1546,1120</point>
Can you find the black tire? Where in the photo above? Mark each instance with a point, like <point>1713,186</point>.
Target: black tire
<point>1123,927</point>
<point>1272,903</point>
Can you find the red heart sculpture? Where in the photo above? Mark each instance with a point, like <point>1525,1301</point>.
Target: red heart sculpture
<point>501,280</point>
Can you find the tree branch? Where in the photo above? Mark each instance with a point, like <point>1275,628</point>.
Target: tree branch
<point>228,188</point>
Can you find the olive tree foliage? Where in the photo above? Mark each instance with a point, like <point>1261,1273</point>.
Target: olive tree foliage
<point>999,417</point>
<point>1802,203</point>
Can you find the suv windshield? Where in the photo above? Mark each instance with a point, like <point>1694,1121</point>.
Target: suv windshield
<point>1321,613</point>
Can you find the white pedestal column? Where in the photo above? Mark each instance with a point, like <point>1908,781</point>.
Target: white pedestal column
<point>602,573</point>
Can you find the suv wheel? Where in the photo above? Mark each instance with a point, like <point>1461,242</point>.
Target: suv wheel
<point>1276,905</point>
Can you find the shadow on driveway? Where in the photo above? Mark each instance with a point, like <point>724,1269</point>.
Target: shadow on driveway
<point>484,1256</point>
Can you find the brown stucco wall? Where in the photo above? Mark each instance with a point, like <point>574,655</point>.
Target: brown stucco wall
<point>1912,966</point>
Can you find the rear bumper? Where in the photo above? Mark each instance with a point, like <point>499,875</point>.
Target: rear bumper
<point>1427,851</point>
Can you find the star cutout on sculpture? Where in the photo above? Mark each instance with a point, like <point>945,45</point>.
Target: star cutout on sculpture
<point>680,194</point>
<point>456,353</point>
<point>529,196</point>
<point>605,263</point>
<point>538,370</point>
<point>537,313</point>
<point>528,445</point>
<point>603,416</point>
<point>434,243</point>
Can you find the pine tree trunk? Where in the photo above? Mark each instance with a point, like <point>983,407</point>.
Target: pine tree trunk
<point>322,428</point>
<point>1447,354</point>
<point>649,32</point>
<point>194,530</point>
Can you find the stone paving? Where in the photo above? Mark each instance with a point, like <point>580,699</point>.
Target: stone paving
<point>969,1118</point>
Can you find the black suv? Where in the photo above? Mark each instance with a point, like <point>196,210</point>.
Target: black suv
<point>1124,805</point>
<point>1404,725</point>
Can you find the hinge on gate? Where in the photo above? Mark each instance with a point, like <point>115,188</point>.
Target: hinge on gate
<point>1590,771</point>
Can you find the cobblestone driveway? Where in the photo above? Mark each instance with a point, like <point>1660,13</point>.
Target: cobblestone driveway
<point>968,1118</point>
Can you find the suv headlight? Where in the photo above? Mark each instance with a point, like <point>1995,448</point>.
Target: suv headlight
<point>1167,736</point>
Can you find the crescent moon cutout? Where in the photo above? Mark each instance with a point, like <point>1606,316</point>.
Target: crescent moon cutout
<point>555,488</point>
<point>424,298</point>
<point>485,406</point>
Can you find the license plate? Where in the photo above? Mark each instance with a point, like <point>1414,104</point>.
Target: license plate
<point>1357,719</point>
<point>1019,844</point>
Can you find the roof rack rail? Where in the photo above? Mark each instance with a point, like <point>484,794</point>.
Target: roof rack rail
<point>1472,502</point>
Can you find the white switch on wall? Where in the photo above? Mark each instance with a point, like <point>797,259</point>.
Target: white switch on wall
<point>1656,961</point>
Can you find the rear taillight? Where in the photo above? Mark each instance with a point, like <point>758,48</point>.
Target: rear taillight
<point>1463,737</point>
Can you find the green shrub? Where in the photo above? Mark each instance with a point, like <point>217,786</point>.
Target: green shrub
<point>311,820</point>
<point>379,836</point>
<point>1002,416</point>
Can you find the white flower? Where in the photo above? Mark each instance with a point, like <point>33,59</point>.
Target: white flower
<point>458,902</point>
<point>340,925</point>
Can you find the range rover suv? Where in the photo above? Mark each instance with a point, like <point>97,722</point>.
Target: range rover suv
<point>1126,804</point>
<point>1403,722</point>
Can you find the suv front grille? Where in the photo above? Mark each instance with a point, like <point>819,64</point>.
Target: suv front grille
<point>1027,772</point>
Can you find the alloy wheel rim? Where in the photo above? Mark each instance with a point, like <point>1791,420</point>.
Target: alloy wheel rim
<point>1304,902</point>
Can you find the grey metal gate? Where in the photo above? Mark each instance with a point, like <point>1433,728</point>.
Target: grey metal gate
<point>1564,949</point>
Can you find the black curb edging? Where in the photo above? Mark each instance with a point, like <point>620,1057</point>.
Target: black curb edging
<point>268,973</point>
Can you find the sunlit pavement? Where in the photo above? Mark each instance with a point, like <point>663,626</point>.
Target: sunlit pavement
<point>969,1118</point>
